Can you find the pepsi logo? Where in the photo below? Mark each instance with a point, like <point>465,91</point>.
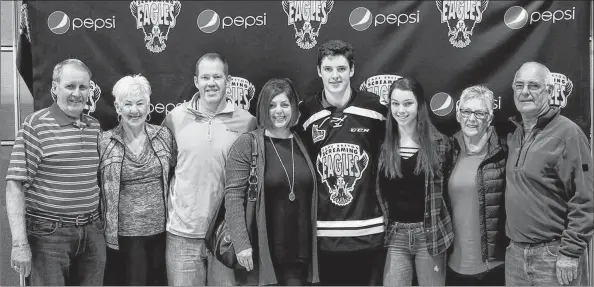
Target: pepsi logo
<point>515,17</point>
<point>208,21</point>
<point>441,104</point>
<point>360,19</point>
<point>58,22</point>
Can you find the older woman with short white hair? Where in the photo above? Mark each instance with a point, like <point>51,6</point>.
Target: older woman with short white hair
<point>136,161</point>
<point>476,194</point>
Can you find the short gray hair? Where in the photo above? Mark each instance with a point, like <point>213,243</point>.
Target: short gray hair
<point>132,85</point>
<point>548,80</point>
<point>78,63</point>
<point>477,92</point>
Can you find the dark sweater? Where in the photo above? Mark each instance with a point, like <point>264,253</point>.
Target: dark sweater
<point>237,170</point>
<point>549,191</point>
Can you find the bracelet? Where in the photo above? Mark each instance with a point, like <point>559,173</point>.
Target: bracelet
<point>20,244</point>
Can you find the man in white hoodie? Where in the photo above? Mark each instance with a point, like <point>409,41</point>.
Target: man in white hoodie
<point>204,129</point>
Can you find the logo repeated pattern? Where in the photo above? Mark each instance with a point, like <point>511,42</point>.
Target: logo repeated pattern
<point>155,18</point>
<point>241,92</point>
<point>58,22</point>
<point>461,17</point>
<point>307,17</point>
<point>360,19</point>
<point>517,17</point>
<point>562,87</point>
<point>379,85</point>
<point>209,21</point>
<point>441,104</point>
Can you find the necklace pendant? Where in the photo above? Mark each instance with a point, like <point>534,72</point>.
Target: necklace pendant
<point>292,196</point>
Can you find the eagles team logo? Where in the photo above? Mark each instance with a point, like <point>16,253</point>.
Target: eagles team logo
<point>340,166</point>
<point>155,18</point>
<point>241,92</point>
<point>379,85</point>
<point>307,17</point>
<point>562,87</point>
<point>461,16</point>
<point>94,95</point>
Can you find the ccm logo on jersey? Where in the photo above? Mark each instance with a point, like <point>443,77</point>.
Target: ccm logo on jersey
<point>359,130</point>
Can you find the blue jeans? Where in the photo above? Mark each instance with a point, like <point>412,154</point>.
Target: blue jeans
<point>190,264</point>
<point>65,254</point>
<point>407,253</point>
<point>535,265</point>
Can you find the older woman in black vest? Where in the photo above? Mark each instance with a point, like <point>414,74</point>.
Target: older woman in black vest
<point>476,194</point>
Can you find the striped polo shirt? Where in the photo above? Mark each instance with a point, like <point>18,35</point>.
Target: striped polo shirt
<point>56,159</point>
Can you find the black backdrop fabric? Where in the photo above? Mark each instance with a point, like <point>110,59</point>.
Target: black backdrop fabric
<point>446,45</point>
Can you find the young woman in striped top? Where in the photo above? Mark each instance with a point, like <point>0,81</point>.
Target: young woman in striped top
<point>413,161</point>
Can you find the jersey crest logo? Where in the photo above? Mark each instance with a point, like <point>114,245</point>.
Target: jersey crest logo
<point>340,166</point>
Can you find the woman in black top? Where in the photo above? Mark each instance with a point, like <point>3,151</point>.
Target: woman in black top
<point>413,160</point>
<point>284,251</point>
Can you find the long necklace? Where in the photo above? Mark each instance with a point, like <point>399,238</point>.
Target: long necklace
<point>291,184</point>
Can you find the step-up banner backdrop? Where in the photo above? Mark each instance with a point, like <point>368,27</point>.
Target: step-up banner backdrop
<point>446,45</point>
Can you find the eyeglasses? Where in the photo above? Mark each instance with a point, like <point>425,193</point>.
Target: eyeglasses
<point>518,87</point>
<point>481,115</point>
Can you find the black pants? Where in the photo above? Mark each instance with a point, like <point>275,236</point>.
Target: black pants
<point>139,262</point>
<point>362,268</point>
<point>293,274</point>
<point>493,277</point>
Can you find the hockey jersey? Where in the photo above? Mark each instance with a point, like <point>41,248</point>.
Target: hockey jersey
<point>344,143</point>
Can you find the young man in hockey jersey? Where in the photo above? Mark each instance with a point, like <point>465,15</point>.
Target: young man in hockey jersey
<point>343,129</point>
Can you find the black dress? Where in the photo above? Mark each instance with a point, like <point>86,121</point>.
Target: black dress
<point>288,222</point>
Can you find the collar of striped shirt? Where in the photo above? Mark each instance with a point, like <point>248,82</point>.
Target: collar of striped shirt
<point>62,118</point>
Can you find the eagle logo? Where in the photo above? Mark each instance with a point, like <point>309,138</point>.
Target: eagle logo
<point>307,27</point>
<point>461,17</point>
<point>340,166</point>
<point>155,29</point>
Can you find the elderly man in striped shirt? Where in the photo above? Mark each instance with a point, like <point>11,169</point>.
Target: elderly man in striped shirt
<point>52,193</point>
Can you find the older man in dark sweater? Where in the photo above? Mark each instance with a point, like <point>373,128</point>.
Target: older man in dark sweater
<point>549,193</point>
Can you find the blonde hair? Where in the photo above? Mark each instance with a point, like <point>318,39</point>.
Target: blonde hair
<point>132,86</point>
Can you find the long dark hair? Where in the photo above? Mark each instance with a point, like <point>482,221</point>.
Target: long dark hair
<point>427,160</point>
